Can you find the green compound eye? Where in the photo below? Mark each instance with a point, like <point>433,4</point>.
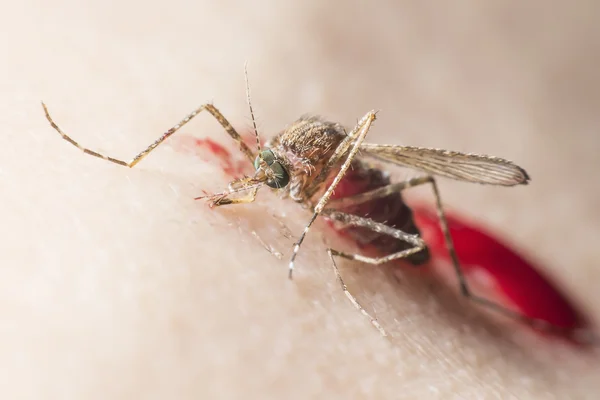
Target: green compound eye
<point>281,178</point>
<point>266,155</point>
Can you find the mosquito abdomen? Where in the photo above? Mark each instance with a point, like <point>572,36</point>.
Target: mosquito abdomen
<point>390,209</point>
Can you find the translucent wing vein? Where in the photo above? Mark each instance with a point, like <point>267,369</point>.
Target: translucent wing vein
<point>451,164</point>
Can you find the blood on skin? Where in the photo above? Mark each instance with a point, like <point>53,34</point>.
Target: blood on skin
<point>234,165</point>
<point>230,167</point>
<point>516,279</point>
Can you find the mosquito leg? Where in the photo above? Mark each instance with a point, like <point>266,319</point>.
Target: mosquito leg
<point>363,128</point>
<point>421,180</point>
<point>407,223</point>
<point>208,107</point>
<point>351,297</point>
<point>463,284</point>
<point>354,220</point>
<point>386,190</point>
<point>377,193</point>
<point>266,246</point>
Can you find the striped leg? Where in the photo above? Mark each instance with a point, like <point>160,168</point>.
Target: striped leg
<point>362,128</point>
<point>354,220</point>
<point>351,297</point>
<point>208,107</point>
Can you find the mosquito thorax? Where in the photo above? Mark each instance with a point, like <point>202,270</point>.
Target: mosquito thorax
<point>280,176</point>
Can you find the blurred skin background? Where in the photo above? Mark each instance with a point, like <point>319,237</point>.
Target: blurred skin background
<point>116,284</point>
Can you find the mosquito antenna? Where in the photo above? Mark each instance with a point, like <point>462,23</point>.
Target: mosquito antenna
<point>251,111</point>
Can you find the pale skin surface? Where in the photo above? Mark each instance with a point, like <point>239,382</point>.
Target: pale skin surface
<point>117,284</point>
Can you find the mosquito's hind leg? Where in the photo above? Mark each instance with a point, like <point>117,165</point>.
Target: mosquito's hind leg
<point>351,297</point>
<point>208,107</point>
<point>463,284</point>
<point>462,280</point>
<point>353,220</point>
<point>416,241</point>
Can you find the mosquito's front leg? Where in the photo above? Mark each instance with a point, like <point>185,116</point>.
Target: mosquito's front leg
<point>362,128</point>
<point>335,158</point>
<point>208,107</point>
<point>351,297</point>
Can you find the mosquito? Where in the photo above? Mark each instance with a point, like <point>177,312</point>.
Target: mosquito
<point>312,157</point>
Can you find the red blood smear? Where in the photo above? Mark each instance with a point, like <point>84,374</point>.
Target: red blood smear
<point>235,165</point>
<point>515,277</point>
<point>230,167</point>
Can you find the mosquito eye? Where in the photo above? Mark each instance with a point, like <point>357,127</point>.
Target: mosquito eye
<point>281,177</point>
<point>267,156</point>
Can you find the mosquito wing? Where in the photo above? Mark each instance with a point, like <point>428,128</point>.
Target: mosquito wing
<point>451,164</point>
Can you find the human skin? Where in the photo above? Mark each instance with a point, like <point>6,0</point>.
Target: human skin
<point>116,283</point>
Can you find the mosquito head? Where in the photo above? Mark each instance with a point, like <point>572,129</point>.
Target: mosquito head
<point>266,163</point>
